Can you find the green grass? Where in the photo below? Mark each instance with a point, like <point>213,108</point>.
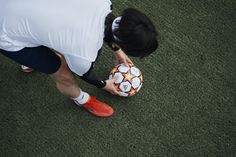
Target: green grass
<point>185,108</point>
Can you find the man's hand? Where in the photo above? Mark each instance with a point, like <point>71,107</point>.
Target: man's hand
<point>110,87</point>
<point>121,57</point>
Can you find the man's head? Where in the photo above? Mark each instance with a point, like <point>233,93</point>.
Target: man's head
<point>135,34</point>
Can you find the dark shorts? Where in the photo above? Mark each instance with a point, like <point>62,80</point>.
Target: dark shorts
<point>40,58</point>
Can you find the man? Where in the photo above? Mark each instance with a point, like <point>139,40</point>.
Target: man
<point>32,32</point>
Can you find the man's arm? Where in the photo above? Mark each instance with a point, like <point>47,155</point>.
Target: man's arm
<point>83,69</point>
<point>92,78</point>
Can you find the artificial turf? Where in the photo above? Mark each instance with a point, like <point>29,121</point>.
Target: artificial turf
<point>185,108</point>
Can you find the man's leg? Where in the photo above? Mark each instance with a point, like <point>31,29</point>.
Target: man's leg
<point>44,60</point>
<point>67,85</point>
<point>65,81</point>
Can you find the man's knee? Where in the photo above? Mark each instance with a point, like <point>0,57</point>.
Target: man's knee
<point>63,74</point>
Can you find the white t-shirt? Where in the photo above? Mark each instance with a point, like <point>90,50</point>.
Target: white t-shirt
<point>74,28</point>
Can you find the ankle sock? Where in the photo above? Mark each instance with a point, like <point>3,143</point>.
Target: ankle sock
<point>82,98</point>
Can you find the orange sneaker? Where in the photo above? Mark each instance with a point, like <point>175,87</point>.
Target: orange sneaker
<point>98,108</point>
<point>26,69</point>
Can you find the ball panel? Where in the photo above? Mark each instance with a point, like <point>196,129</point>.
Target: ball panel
<point>119,77</point>
<point>128,77</point>
<point>141,78</point>
<point>139,87</point>
<point>135,71</point>
<point>123,68</point>
<point>123,94</point>
<point>125,86</point>
<point>136,82</point>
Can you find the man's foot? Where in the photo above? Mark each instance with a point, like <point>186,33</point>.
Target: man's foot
<point>26,69</point>
<point>98,108</point>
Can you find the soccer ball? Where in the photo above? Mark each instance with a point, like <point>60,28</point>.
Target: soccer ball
<point>129,79</point>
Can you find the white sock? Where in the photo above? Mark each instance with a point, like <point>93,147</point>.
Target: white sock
<point>82,98</point>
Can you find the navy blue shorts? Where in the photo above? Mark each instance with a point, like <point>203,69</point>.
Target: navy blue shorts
<point>40,58</point>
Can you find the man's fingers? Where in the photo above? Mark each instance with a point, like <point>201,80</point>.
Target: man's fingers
<point>116,62</point>
<point>126,63</point>
<point>129,60</point>
<point>115,92</point>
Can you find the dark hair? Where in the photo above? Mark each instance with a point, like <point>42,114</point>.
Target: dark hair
<point>136,33</point>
